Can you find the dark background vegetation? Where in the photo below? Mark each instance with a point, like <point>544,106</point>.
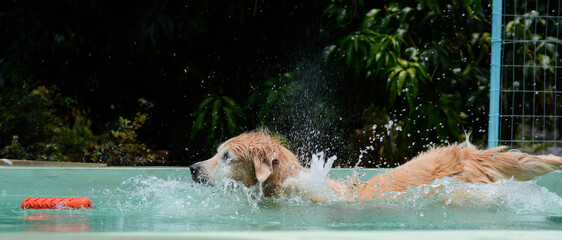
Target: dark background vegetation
<point>116,81</point>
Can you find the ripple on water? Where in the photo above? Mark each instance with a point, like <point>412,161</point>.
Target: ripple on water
<point>440,201</point>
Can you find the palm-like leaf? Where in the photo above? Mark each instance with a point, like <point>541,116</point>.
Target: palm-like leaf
<point>216,115</point>
<point>274,96</point>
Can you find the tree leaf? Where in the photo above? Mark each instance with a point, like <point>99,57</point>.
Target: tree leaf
<point>401,80</point>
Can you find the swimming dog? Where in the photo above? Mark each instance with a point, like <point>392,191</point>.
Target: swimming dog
<point>259,158</point>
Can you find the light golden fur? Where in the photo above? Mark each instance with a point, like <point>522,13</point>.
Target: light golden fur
<point>253,158</point>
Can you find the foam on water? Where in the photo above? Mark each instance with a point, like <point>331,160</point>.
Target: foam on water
<point>228,198</point>
<point>442,204</point>
<point>508,197</point>
<point>313,183</point>
<point>180,197</point>
<point>152,201</point>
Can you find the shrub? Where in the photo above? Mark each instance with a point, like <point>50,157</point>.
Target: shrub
<point>124,149</point>
<point>30,125</point>
<point>35,124</point>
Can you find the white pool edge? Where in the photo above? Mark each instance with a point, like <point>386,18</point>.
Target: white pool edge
<point>297,235</point>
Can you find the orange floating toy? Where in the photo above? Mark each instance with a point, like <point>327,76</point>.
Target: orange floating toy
<point>55,203</point>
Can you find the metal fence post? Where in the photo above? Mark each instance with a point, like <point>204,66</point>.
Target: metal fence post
<point>493,124</point>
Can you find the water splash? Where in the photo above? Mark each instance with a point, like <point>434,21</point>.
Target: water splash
<point>442,204</point>
<point>6,161</point>
<point>180,197</point>
<point>313,183</point>
<point>510,196</point>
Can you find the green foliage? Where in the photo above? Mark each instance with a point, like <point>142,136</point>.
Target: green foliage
<point>521,28</point>
<point>537,73</point>
<point>77,140</point>
<point>29,125</point>
<point>406,77</point>
<point>124,149</point>
<point>422,65</point>
<point>35,125</point>
<point>339,15</point>
<point>378,51</point>
<point>432,58</point>
<point>216,116</point>
<point>275,98</point>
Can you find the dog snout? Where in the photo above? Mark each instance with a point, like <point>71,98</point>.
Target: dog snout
<point>196,175</point>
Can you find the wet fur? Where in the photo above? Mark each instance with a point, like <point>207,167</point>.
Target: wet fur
<point>260,158</point>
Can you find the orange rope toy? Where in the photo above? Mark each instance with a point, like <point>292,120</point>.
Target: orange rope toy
<point>55,203</point>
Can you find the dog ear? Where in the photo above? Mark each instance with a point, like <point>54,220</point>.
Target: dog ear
<point>263,164</point>
<point>263,168</point>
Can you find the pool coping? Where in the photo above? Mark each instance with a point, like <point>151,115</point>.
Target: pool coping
<point>10,163</point>
<point>298,235</point>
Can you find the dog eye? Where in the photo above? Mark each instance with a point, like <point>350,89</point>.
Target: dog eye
<point>226,156</point>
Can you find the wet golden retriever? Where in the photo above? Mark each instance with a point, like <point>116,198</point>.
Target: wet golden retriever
<point>257,157</point>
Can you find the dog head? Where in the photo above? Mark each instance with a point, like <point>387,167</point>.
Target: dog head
<point>249,158</point>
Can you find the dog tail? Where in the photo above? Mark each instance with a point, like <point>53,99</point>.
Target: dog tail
<point>494,164</point>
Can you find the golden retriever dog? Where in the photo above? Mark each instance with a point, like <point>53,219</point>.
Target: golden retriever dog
<point>259,158</point>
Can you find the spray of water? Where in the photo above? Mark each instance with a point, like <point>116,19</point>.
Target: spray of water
<point>508,196</point>
<point>313,183</point>
<point>181,197</point>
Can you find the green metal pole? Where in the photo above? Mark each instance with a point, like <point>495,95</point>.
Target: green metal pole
<point>495,71</point>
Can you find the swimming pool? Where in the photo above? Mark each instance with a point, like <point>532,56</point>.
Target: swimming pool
<point>166,200</point>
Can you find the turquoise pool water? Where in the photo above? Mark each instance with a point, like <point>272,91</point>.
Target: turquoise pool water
<point>166,200</point>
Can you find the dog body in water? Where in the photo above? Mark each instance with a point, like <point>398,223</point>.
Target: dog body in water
<point>259,158</point>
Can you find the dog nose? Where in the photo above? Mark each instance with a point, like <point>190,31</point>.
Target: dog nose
<point>194,169</point>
